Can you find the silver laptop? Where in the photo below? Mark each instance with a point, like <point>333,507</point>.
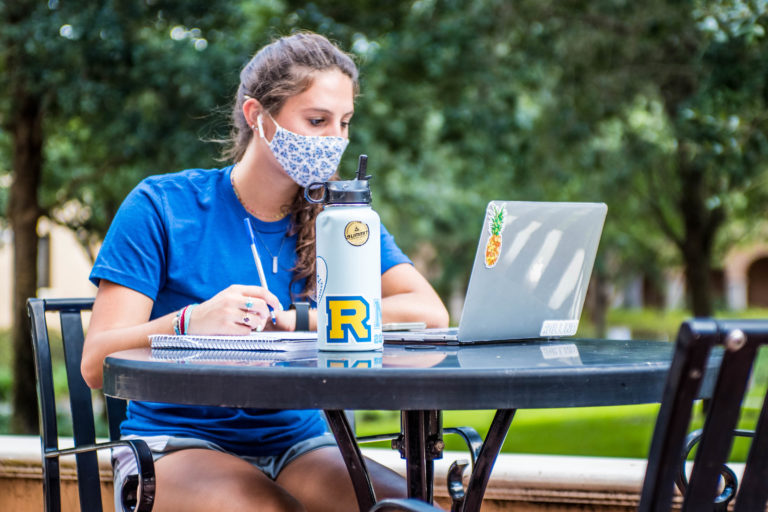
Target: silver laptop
<point>530,276</point>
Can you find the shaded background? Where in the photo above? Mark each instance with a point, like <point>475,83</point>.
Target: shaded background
<point>656,108</point>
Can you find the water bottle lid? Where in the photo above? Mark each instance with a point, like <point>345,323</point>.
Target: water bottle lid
<point>356,191</point>
<point>348,192</point>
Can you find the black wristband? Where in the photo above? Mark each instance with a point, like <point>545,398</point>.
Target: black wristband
<point>302,315</point>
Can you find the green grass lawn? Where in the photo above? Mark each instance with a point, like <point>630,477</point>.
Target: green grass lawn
<point>597,431</point>
<point>6,374</point>
<point>622,431</point>
<point>657,324</point>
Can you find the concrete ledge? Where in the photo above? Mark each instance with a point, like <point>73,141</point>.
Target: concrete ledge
<point>551,483</point>
<point>21,476</point>
<point>523,483</point>
<point>548,483</point>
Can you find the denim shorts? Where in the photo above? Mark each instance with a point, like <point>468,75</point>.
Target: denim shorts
<point>124,463</point>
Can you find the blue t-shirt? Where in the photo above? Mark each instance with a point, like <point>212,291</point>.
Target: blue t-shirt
<point>179,239</point>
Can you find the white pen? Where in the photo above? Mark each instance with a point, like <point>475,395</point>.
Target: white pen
<point>259,268</point>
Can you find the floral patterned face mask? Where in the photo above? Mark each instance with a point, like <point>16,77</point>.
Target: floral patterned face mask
<point>305,158</point>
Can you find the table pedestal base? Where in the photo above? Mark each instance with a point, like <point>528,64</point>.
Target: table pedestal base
<point>353,458</point>
<point>420,444</point>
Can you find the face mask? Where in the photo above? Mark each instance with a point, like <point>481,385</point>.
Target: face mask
<point>305,158</point>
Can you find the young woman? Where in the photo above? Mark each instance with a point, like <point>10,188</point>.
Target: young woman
<point>178,241</point>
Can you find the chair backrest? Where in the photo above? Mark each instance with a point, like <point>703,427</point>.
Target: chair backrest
<point>81,407</point>
<point>740,340</point>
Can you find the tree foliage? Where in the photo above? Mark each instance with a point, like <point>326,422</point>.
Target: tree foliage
<point>97,95</point>
<point>656,108</point>
<point>666,102</point>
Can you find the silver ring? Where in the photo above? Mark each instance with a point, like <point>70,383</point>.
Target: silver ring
<point>248,304</point>
<point>246,319</point>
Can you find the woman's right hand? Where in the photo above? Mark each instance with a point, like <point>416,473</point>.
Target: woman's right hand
<point>120,320</point>
<point>238,309</point>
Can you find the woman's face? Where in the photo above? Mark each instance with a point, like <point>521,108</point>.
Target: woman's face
<point>324,109</point>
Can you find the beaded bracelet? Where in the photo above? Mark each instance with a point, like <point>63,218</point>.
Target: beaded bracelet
<point>187,317</point>
<point>176,319</point>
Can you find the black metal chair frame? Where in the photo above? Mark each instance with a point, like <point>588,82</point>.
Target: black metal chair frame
<point>741,340</point>
<point>137,494</point>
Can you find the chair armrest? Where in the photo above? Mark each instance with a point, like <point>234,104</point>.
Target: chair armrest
<point>404,505</point>
<point>138,493</point>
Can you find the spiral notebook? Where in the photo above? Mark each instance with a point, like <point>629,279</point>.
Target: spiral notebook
<point>268,357</point>
<point>268,341</point>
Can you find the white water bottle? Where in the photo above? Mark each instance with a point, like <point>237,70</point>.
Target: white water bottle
<point>348,249</point>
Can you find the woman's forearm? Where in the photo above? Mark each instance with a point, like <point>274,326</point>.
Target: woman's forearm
<point>99,344</point>
<point>414,307</point>
<point>408,297</point>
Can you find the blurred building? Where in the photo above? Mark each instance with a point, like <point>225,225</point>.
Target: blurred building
<point>741,283</point>
<point>63,266</point>
<point>746,277</point>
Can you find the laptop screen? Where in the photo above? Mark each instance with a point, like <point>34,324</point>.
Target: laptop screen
<point>531,270</point>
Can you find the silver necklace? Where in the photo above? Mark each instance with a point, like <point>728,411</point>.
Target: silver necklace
<point>274,258</point>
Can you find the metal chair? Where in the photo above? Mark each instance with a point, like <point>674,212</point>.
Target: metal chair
<point>138,493</point>
<point>741,340</point>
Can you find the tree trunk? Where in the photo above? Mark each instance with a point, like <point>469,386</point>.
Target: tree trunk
<point>700,225</point>
<point>697,260</point>
<point>599,302</point>
<point>24,211</point>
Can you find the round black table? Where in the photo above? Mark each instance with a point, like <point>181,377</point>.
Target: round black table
<point>419,380</point>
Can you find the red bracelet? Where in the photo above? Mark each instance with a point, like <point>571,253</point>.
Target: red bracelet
<point>181,320</point>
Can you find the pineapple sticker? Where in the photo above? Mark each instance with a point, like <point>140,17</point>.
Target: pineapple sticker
<point>497,215</point>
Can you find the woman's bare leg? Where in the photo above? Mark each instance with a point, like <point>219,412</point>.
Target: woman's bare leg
<point>320,481</point>
<point>205,480</point>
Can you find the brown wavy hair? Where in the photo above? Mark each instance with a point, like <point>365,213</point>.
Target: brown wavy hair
<point>280,70</point>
